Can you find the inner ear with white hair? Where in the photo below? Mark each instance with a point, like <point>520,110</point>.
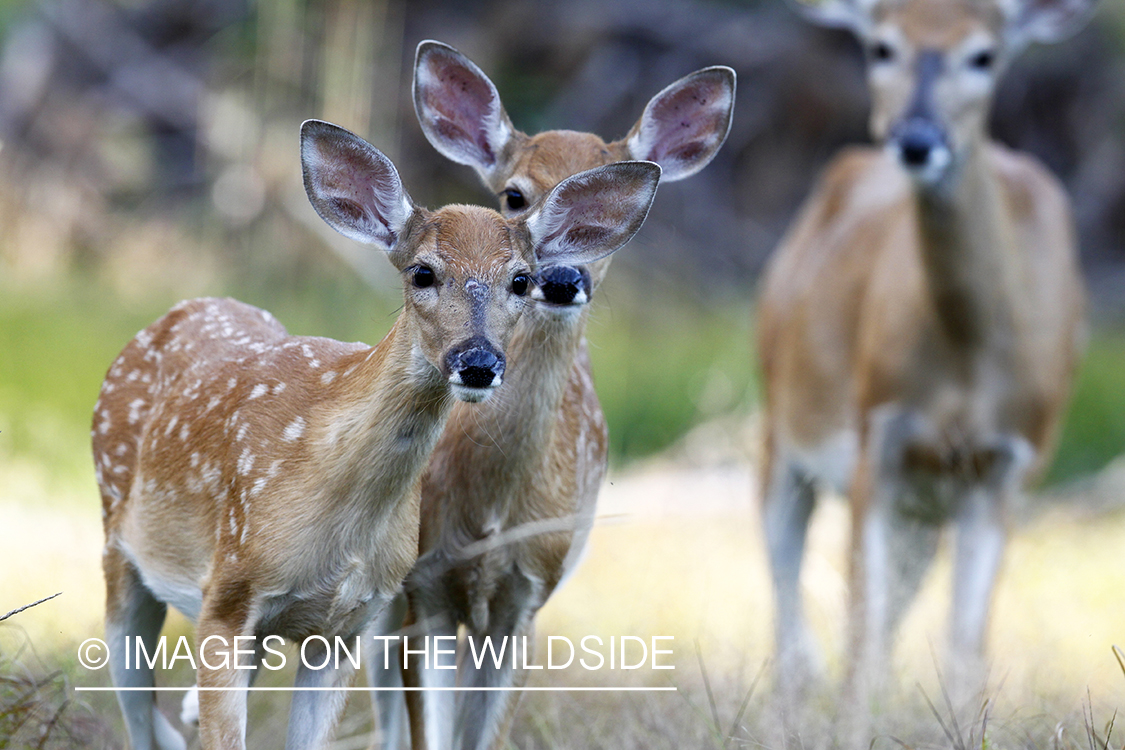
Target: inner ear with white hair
<point>592,214</point>
<point>459,108</point>
<point>683,127</point>
<point>353,186</point>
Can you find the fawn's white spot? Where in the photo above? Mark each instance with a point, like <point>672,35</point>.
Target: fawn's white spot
<point>245,462</point>
<point>135,407</point>
<point>328,377</point>
<point>308,352</point>
<point>278,388</point>
<point>259,390</point>
<point>294,430</point>
<point>212,478</point>
<point>172,424</point>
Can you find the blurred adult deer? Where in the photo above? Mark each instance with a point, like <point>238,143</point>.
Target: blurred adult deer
<point>508,499</point>
<point>267,484</point>
<point>919,325</point>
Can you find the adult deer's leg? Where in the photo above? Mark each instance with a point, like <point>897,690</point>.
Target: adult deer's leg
<point>892,547</point>
<point>787,505</point>
<point>981,536</point>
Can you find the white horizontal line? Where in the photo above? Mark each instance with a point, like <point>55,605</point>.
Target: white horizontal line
<point>387,689</point>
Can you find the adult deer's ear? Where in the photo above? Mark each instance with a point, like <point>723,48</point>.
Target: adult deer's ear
<point>459,109</point>
<point>1046,20</point>
<point>591,214</point>
<point>840,14</point>
<point>353,186</point>
<point>684,125</point>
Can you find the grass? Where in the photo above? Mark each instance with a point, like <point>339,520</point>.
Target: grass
<point>700,578</point>
<point>662,363</point>
<point>1094,432</point>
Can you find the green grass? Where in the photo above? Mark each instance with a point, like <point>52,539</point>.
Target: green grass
<point>663,367</point>
<point>661,363</point>
<point>57,344</point>
<point>1094,432</point>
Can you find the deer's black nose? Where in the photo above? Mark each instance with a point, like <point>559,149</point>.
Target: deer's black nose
<point>562,285</point>
<point>475,364</point>
<point>918,142</point>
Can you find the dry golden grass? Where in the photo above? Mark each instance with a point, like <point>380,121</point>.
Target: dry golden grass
<point>679,552</point>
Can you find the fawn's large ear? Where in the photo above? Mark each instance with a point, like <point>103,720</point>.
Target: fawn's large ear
<point>591,214</point>
<point>459,108</point>
<point>684,125</point>
<point>352,185</point>
<point>840,14</point>
<point>1045,20</point>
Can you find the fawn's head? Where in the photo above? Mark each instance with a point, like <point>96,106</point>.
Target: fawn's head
<point>932,66</point>
<point>461,114</point>
<point>467,271</point>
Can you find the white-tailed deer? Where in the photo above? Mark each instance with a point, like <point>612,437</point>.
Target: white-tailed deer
<point>508,499</point>
<point>267,484</point>
<point>919,326</point>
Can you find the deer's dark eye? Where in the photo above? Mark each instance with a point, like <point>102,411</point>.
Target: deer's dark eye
<point>423,277</point>
<point>882,52</point>
<point>983,60</point>
<point>520,284</point>
<point>514,199</point>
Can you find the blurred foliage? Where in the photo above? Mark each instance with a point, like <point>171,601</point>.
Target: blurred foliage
<point>113,110</point>
<point>662,364</point>
<point>149,153</point>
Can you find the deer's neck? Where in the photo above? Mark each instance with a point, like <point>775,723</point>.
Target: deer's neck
<point>968,255</point>
<point>542,357</point>
<point>509,436</point>
<point>379,431</point>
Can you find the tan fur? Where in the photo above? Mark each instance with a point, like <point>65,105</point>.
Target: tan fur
<point>952,313</point>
